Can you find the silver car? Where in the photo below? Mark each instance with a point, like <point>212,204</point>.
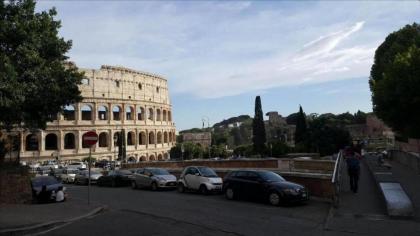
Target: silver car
<point>154,178</point>
<point>82,177</point>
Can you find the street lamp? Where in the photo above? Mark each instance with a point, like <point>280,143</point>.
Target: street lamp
<point>203,118</point>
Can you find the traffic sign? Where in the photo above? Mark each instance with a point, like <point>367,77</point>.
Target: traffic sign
<point>90,138</point>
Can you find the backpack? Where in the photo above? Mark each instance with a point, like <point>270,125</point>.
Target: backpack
<point>353,163</point>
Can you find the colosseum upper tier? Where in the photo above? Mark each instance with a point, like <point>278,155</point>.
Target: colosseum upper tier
<point>116,100</point>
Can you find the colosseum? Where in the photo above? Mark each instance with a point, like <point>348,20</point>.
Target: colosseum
<point>116,101</point>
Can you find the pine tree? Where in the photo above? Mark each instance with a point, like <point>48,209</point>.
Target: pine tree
<point>300,127</point>
<point>258,128</point>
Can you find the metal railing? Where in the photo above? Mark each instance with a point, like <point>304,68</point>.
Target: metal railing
<point>336,179</point>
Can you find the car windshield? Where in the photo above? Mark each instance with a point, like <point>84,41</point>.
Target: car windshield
<point>124,172</point>
<point>38,182</point>
<point>271,176</point>
<point>207,172</point>
<point>159,171</point>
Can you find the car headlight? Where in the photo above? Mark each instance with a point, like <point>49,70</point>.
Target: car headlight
<point>290,191</point>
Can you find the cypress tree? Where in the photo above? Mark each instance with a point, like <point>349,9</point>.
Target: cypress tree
<point>258,128</point>
<point>300,127</point>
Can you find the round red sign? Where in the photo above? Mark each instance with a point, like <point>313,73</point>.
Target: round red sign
<point>90,138</point>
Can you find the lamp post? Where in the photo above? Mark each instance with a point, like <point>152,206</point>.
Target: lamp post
<point>203,119</point>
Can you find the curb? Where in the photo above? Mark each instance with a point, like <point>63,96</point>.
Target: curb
<point>33,228</point>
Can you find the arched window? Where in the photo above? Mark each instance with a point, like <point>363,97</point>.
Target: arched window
<point>140,113</point>
<point>157,114</point>
<point>86,112</point>
<point>69,141</point>
<point>103,139</point>
<point>142,138</point>
<point>51,142</point>
<point>32,142</point>
<point>140,87</point>
<point>152,158</point>
<point>160,157</point>
<point>159,137</point>
<point>166,156</point>
<point>151,138</point>
<point>164,115</point>
<point>165,137</point>
<point>150,117</point>
<point>131,138</point>
<point>117,139</point>
<point>68,112</point>
<point>143,158</point>
<point>102,113</point>
<point>116,113</point>
<point>169,116</point>
<point>129,113</point>
<point>170,137</point>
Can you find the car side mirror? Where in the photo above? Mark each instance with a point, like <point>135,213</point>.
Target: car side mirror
<point>197,174</point>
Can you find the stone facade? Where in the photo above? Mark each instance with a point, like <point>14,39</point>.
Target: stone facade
<point>114,99</point>
<point>203,138</point>
<point>278,129</point>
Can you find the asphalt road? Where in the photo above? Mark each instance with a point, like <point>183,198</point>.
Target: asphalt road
<point>144,212</point>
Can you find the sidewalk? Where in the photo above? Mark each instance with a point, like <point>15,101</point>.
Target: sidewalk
<point>15,218</point>
<point>364,213</point>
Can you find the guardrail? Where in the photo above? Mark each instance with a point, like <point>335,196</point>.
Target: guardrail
<point>336,177</point>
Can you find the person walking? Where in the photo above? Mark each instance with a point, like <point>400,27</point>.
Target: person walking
<point>353,168</point>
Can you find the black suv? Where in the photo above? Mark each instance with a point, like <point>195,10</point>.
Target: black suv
<point>265,185</point>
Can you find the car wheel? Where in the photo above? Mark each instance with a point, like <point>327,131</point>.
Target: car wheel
<point>154,186</point>
<point>133,184</point>
<point>274,198</point>
<point>230,193</point>
<point>203,190</point>
<point>181,188</point>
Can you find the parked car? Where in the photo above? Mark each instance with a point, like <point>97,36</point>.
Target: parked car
<point>104,164</point>
<point>57,173</point>
<point>82,177</point>
<point>199,178</point>
<point>52,185</point>
<point>265,185</point>
<point>154,178</point>
<point>68,175</point>
<point>77,165</point>
<point>115,178</point>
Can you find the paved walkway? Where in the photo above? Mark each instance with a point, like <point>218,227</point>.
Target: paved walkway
<point>364,213</point>
<point>28,215</point>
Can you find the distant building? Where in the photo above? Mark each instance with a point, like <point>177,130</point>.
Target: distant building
<point>202,138</point>
<point>278,129</point>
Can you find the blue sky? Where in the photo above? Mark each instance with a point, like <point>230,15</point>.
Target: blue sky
<point>218,55</point>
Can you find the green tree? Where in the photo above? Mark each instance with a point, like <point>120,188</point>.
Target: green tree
<point>395,81</point>
<point>258,128</point>
<point>176,151</point>
<point>301,128</point>
<point>35,81</point>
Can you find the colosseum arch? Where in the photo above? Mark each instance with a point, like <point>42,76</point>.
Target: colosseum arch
<point>166,156</point>
<point>103,139</point>
<point>117,138</point>
<point>159,137</point>
<point>160,157</point>
<point>158,114</point>
<point>165,137</point>
<point>116,112</point>
<point>51,142</point>
<point>173,137</point>
<point>102,112</point>
<point>86,112</point>
<point>152,158</point>
<point>150,114</point>
<point>132,159</point>
<point>69,112</point>
<point>69,141</point>
<point>131,138</point>
<point>151,138</point>
<point>140,113</point>
<point>129,113</point>
<point>143,158</point>
<point>169,116</point>
<point>32,143</point>
<point>142,138</point>
<point>164,115</point>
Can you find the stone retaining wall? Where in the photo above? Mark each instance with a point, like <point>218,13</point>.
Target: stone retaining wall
<point>407,159</point>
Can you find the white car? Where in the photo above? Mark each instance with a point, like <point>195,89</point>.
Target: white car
<point>68,175</point>
<point>76,165</point>
<point>199,178</point>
